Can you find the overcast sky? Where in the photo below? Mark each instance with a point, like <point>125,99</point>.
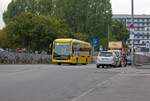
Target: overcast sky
<point>118,7</point>
<point>124,6</point>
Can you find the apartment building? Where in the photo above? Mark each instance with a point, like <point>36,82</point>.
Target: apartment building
<point>140,31</point>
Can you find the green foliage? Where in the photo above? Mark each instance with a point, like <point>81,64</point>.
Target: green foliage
<point>81,36</point>
<point>85,16</point>
<point>35,32</point>
<point>119,32</point>
<point>90,17</point>
<point>3,39</point>
<point>44,7</point>
<point>37,7</point>
<point>104,42</point>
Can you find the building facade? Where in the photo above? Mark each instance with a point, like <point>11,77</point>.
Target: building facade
<point>139,35</point>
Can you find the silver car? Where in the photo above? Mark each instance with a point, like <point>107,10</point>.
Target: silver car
<point>106,58</point>
<point>1,49</point>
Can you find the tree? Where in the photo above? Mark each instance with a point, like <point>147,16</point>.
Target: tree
<point>91,17</point>
<point>37,7</point>
<point>86,16</point>
<point>3,39</point>
<point>119,31</point>
<point>45,7</point>
<point>35,32</point>
<point>81,36</point>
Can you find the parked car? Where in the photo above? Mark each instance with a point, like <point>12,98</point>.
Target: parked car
<point>118,56</point>
<point>106,58</point>
<point>1,49</point>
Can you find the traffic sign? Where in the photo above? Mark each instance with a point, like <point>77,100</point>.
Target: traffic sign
<point>94,42</point>
<point>131,26</point>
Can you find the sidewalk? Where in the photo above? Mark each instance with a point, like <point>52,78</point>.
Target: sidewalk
<point>146,66</point>
<point>130,85</point>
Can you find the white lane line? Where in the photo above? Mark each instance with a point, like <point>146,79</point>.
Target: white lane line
<point>92,89</point>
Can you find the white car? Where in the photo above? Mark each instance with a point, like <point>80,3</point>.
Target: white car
<point>118,56</point>
<point>1,50</point>
<point>106,58</point>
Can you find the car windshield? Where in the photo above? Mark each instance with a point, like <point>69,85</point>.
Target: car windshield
<point>106,54</point>
<point>62,49</point>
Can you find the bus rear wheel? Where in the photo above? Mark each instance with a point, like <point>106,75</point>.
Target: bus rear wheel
<point>59,63</point>
<point>86,62</point>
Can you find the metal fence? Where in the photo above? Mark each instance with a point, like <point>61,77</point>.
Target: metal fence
<point>142,59</point>
<point>23,58</point>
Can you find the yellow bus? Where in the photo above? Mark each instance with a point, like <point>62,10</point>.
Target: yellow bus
<point>71,51</point>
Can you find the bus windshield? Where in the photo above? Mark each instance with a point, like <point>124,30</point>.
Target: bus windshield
<point>62,49</point>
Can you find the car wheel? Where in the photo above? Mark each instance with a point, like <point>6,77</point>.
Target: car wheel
<point>113,66</point>
<point>108,66</point>
<point>98,66</point>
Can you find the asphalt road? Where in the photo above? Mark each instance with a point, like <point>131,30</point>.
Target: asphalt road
<point>49,82</point>
<point>73,83</point>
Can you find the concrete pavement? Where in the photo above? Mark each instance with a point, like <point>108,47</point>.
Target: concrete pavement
<point>73,83</point>
<point>48,82</point>
<point>130,84</point>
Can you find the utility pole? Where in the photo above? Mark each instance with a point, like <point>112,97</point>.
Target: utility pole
<point>132,17</point>
<point>108,35</point>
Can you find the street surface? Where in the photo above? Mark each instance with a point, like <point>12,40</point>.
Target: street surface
<point>73,83</point>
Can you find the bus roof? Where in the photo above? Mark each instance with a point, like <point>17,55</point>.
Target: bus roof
<point>63,40</point>
<point>71,40</point>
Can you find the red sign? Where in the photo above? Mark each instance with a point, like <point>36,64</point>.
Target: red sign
<point>131,26</point>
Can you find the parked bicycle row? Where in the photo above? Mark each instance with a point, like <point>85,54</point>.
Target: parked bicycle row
<point>23,58</point>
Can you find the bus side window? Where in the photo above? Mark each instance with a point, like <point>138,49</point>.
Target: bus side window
<point>75,49</point>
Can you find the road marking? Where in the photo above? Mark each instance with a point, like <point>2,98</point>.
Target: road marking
<point>92,89</point>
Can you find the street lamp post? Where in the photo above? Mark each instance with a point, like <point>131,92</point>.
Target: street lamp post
<point>108,33</point>
<point>132,17</point>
